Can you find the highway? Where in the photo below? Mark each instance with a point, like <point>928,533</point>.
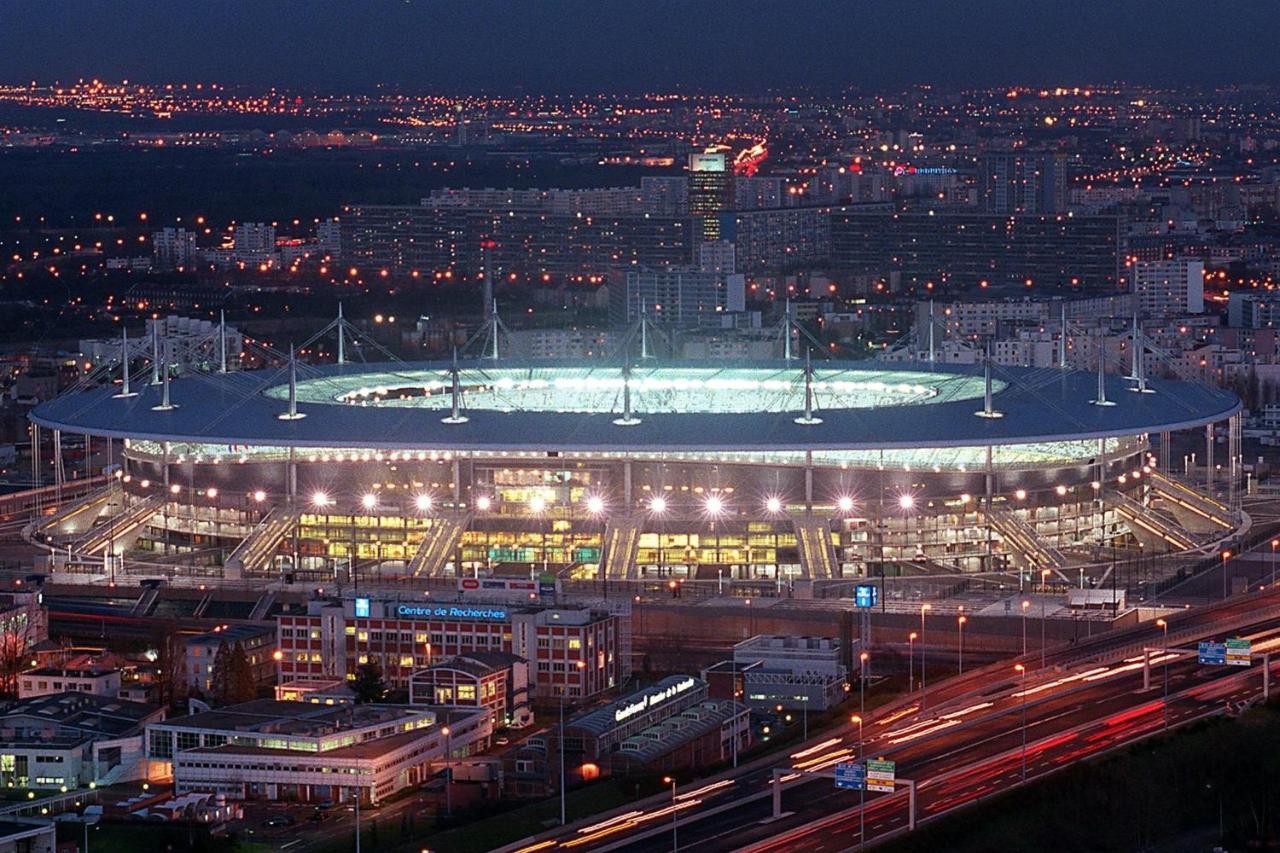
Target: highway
<point>965,743</point>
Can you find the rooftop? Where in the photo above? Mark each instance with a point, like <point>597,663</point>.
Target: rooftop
<point>681,407</point>
<point>302,719</point>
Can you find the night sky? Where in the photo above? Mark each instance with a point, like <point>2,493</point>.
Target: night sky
<point>565,45</point>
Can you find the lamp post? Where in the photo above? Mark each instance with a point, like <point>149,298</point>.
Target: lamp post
<point>960,620</point>
<point>355,793</point>
<point>658,507</point>
<point>1022,671</point>
<point>923,686</point>
<point>862,682</point>
<point>1226,555</point>
<point>595,508</point>
<point>675,839</point>
<point>1044,575</point>
<point>1164,625</point>
<point>714,507</point>
<point>1274,543</point>
<point>862,792</point>
<point>911,661</point>
<point>1025,605</point>
<point>448,769</point>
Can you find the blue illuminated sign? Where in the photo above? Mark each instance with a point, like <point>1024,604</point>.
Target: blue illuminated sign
<point>866,595</point>
<point>362,608</point>
<point>423,611</point>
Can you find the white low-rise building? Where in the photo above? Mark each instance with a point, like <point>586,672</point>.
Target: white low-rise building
<point>298,751</point>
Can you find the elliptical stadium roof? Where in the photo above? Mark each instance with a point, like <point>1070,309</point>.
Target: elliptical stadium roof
<point>681,406</point>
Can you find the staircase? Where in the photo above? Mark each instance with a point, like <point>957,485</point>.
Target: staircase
<point>1144,519</point>
<point>262,608</point>
<point>118,527</point>
<point>1184,497</point>
<point>145,602</point>
<point>1021,539</point>
<point>256,552</point>
<point>77,516</point>
<point>437,545</point>
<point>621,542</point>
<point>817,552</point>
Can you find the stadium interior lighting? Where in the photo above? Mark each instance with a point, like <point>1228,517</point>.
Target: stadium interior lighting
<point>595,504</point>
<point>714,506</point>
<point>422,502</point>
<point>175,489</point>
<point>773,504</point>
<point>483,503</point>
<point>845,503</point>
<point>1020,494</point>
<point>211,492</point>
<point>259,496</point>
<point>320,499</point>
<point>906,501</point>
<point>369,500</point>
<point>658,505</point>
<point>538,503</point>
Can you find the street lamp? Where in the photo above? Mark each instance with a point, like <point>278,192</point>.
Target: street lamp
<point>1025,605</point>
<point>923,688</point>
<point>911,661</point>
<point>1226,555</point>
<point>960,620</point>
<point>1022,671</point>
<point>448,769</point>
<point>657,508</point>
<point>1164,625</point>
<point>862,792</point>
<point>675,840</point>
<point>1274,543</point>
<point>714,507</point>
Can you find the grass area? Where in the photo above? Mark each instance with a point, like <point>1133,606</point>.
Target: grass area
<point>1164,791</point>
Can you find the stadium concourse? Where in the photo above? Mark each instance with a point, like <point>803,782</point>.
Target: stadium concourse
<point>642,469</point>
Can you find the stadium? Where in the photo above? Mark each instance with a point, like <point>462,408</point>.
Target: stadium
<point>767,472</point>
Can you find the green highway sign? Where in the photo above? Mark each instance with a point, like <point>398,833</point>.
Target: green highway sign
<point>880,775</point>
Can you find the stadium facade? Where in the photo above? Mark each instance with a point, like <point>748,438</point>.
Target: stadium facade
<point>658,470</point>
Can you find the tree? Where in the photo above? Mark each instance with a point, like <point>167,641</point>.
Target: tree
<point>220,678</point>
<point>368,685</point>
<point>171,668</point>
<point>241,686</point>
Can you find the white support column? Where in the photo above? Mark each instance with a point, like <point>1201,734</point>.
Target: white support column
<point>1208,458</point>
<point>626,486</point>
<point>222,341</point>
<point>35,455</point>
<point>58,475</point>
<point>342,337</point>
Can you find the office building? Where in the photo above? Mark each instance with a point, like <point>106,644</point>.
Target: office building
<point>671,725</point>
<point>303,752</point>
<point>796,673</point>
<point>174,248</point>
<point>1168,288</point>
<point>965,251</point>
<point>495,682</point>
<point>336,636</point>
<point>710,191</point>
<point>257,640</point>
<point>1022,182</point>
<point>678,296</point>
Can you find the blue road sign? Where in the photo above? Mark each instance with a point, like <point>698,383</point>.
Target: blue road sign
<point>1212,653</point>
<point>866,595</point>
<point>851,776</point>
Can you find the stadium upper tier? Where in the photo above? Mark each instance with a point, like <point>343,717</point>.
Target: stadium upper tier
<point>677,408</point>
